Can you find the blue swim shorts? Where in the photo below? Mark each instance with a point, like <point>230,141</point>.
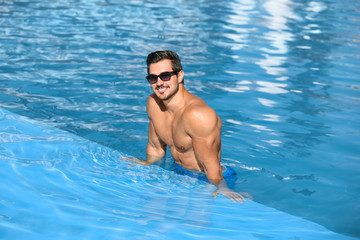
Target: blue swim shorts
<point>229,173</point>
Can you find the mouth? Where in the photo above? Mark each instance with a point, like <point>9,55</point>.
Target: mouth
<point>161,89</point>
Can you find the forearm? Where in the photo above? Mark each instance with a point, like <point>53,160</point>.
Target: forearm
<point>216,182</point>
<point>150,160</point>
<point>213,171</point>
<point>154,154</point>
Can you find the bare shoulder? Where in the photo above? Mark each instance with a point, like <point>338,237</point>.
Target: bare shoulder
<point>151,101</point>
<point>199,111</point>
<point>154,105</point>
<point>200,118</point>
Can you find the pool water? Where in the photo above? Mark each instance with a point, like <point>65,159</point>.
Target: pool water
<point>281,74</point>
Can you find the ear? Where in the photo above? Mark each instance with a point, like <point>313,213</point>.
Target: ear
<point>180,76</point>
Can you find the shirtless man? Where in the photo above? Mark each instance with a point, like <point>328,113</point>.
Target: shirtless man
<point>182,121</point>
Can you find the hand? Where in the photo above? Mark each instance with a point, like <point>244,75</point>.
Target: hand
<point>232,195</point>
<point>134,160</point>
<point>131,159</point>
<point>127,159</point>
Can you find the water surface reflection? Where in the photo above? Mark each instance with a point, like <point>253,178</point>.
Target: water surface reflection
<point>282,75</point>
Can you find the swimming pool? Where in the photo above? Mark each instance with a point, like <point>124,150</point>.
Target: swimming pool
<point>282,75</point>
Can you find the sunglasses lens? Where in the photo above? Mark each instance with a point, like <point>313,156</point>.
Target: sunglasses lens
<point>152,78</point>
<point>165,76</point>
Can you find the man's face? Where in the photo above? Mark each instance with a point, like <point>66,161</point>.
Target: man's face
<point>164,89</point>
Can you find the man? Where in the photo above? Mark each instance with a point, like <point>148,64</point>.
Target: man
<point>184,122</point>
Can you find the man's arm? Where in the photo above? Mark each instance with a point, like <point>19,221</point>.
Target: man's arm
<point>204,127</point>
<point>156,148</point>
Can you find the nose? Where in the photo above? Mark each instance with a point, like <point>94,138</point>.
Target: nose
<point>159,81</point>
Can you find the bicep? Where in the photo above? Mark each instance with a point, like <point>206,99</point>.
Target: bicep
<point>207,152</point>
<point>203,125</point>
<point>205,129</point>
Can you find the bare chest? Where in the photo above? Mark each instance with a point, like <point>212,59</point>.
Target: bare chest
<point>171,131</point>
<point>181,140</point>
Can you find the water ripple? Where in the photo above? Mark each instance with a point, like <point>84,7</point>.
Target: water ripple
<point>284,72</point>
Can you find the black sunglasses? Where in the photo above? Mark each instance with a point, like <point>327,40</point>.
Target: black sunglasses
<point>165,76</point>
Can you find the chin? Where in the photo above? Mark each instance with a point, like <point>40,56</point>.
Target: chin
<point>162,96</point>
<point>166,95</point>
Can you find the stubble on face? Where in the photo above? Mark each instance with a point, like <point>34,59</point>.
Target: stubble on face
<point>164,90</point>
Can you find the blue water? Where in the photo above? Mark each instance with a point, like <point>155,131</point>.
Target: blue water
<point>281,74</point>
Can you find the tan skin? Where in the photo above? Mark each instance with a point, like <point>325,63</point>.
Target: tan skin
<point>186,124</point>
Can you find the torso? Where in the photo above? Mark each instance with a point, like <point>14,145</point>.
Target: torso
<point>179,142</point>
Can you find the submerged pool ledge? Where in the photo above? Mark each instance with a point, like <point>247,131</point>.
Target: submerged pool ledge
<point>43,196</point>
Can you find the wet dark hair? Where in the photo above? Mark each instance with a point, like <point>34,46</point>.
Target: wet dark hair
<point>157,56</point>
